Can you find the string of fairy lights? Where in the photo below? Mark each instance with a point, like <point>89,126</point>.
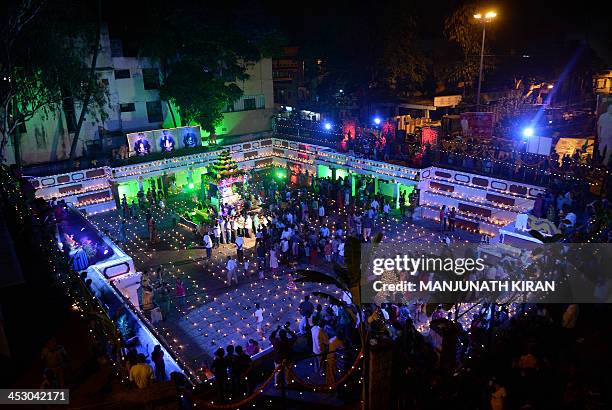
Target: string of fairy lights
<point>233,306</point>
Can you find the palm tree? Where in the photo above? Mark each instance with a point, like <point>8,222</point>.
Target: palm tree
<point>348,278</point>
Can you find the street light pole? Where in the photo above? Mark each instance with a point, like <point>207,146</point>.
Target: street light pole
<point>486,18</point>
<point>484,28</point>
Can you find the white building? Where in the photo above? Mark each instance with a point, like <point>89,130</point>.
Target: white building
<point>135,105</point>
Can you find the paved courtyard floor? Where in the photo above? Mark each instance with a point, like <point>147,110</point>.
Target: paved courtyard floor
<point>214,314</point>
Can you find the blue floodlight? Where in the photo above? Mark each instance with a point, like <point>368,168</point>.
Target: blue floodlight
<point>327,126</point>
<point>528,132</point>
<point>377,120</point>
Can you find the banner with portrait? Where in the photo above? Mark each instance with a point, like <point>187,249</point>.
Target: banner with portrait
<point>165,140</point>
<point>189,137</point>
<point>141,143</point>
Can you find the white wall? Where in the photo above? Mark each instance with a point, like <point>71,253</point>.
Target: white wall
<point>47,138</point>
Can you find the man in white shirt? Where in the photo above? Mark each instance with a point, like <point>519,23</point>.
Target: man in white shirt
<point>285,249</point>
<point>321,213</point>
<point>375,204</point>
<point>228,231</point>
<point>216,235</point>
<point>248,226</point>
<point>231,271</point>
<point>208,245</point>
<point>319,345</point>
<point>239,246</point>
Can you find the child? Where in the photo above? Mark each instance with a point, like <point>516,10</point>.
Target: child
<point>259,319</point>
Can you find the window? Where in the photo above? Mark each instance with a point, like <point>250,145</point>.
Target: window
<point>249,104</point>
<point>116,47</point>
<point>127,107</point>
<point>120,74</point>
<point>154,111</point>
<point>150,77</point>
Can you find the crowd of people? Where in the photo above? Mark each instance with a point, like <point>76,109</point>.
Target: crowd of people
<point>500,157</point>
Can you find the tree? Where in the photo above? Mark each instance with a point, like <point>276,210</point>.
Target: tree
<point>204,50</point>
<point>44,65</point>
<point>462,29</point>
<point>373,51</point>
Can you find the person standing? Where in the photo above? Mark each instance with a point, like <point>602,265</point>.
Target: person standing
<point>443,218</point>
<point>123,231</point>
<point>234,229</point>
<point>367,227</point>
<point>124,206</point>
<point>306,309</point>
<point>208,245</point>
<point>216,235</point>
<point>239,246</point>
<point>219,369</point>
<point>336,347</point>
<point>180,293</point>
<point>231,271</point>
<point>241,225</point>
<point>228,231</point>
<point>451,219</point>
<point>386,210</point>
<point>258,314</point>
<point>327,251</point>
<point>141,373</point>
<point>282,342</point>
<point>498,397</point>
<point>273,261</point>
<point>160,367</point>
<point>248,226</point>
<point>55,358</point>
<point>319,344</point>
<point>261,255</point>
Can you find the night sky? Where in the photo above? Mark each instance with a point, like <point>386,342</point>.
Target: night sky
<point>522,26</point>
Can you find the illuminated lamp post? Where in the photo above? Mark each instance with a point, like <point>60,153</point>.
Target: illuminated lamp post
<point>488,17</point>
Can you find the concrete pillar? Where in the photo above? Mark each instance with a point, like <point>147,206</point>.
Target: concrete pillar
<point>397,195</point>
<point>115,190</point>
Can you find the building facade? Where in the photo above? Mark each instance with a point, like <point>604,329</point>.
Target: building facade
<point>134,104</point>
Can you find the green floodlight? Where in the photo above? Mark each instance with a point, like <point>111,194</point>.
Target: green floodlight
<point>281,175</point>
<point>191,185</point>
